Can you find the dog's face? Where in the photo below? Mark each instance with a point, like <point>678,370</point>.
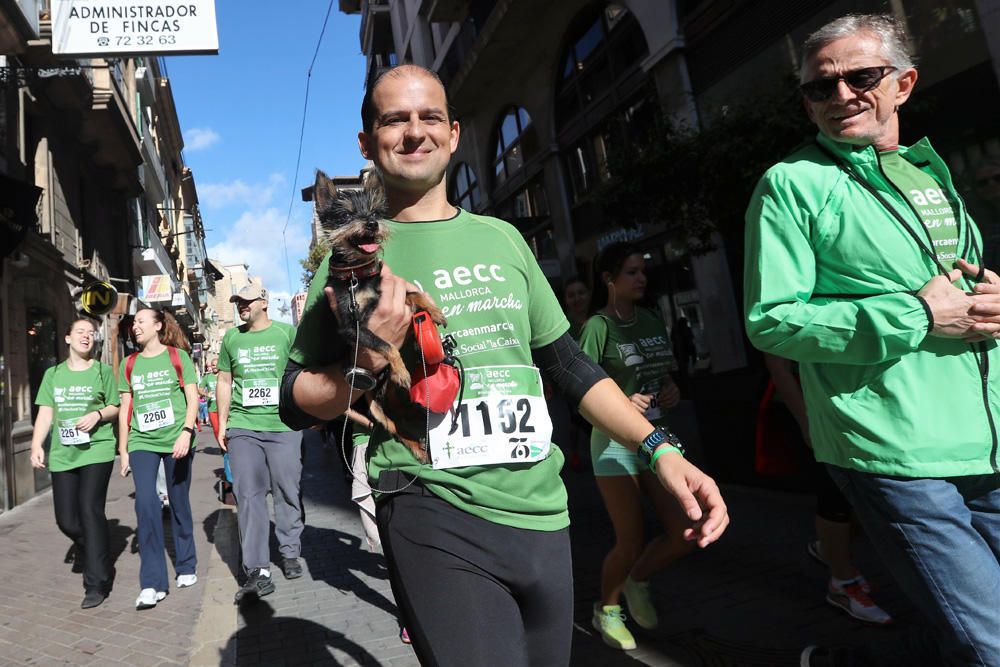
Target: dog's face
<point>353,221</point>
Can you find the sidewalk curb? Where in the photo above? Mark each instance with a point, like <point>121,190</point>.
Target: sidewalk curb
<point>217,623</point>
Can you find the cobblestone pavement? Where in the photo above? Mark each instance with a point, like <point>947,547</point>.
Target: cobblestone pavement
<point>756,598</point>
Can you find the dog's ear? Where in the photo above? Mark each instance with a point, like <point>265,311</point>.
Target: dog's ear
<point>375,194</point>
<point>325,192</point>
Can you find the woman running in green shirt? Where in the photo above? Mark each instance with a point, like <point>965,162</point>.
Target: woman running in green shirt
<point>76,403</point>
<point>159,407</point>
<point>631,344</point>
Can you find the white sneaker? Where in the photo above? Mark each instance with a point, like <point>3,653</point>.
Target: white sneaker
<point>852,598</point>
<point>185,580</point>
<point>148,597</point>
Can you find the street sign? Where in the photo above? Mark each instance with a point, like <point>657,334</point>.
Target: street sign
<point>104,28</point>
<point>157,288</point>
<point>98,298</point>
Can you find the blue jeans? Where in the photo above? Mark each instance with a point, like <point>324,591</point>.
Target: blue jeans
<point>940,538</point>
<point>149,517</point>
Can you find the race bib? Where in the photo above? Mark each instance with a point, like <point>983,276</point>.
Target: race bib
<point>260,392</point>
<point>69,434</point>
<point>654,411</point>
<point>156,415</point>
<point>502,418</point>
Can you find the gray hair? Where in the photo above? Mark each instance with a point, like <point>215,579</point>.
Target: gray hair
<point>889,31</point>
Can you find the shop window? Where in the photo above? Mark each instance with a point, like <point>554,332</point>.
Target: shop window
<point>605,47</point>
<point>43,350</point>
<point>465,188</point>
<point>515,143</point>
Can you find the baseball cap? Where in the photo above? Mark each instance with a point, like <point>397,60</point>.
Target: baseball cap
<point>249,293</point>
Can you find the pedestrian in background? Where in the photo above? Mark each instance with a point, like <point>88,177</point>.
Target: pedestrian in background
<point>631,344</point>
<point>264,454</point>
<point>77,403</point>
<point>156,425</point>
<point>847,588</point>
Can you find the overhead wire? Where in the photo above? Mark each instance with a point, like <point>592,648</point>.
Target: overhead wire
<point>302,133</point>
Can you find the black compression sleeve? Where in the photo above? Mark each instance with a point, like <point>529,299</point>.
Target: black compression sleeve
<point>570,369</point>
<point>291,414</point>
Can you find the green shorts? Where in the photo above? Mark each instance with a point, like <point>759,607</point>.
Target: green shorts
<point>611,459</point>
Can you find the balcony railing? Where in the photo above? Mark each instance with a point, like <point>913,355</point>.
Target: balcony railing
<point>151,173</point>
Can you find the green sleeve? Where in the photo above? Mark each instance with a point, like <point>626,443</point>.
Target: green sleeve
<point>187,368</point>
<point>783,319</point>
<point>224,363</point>
<point>124,386</point>
<point>203,382</point>
<point>44,396</point>
<point>111,396</point>
<point>546,316</point>
<point>315,342</point>
<point>594,338</point>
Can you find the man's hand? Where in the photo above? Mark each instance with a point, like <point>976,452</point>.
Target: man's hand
<point>698,496</point>
<point>670,393</point>
<point>641,401</point>
<point>125,468</point>
<point>389,321</point>
<point>37,457</point>
<point>88,422</point>
<point>986,303</point>
<point>949,306</point>
<point>222,436</point>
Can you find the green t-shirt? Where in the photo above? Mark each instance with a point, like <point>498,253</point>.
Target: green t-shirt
<point>208,383</point>
<point>499,306</point>
<point>930,202</point>
<point>257,361</point>
<point>158,402</point>
<point>635,354</point>
<point>71,395</point>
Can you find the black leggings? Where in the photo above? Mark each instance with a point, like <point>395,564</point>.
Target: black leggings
<point>78,496</point>
<point>473,592</point>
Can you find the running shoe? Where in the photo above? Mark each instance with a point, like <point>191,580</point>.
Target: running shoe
<point>185,580</point>
<point>291,568</point>
<point>640,603</point>
<point>404,636</point>
<point>610,622</point>
<point>852,597</point>
<point>148,597</point>
<point>257,586</point>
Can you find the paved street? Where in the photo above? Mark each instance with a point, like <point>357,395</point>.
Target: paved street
<point>754,599</point>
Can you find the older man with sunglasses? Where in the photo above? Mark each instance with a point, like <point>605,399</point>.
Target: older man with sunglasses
<point>863,265</point>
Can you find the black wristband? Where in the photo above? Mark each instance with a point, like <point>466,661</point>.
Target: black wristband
<point>189,429</point>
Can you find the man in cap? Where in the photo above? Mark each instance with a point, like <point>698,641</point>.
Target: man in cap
<point>264,454</point>
<point>863,265</point>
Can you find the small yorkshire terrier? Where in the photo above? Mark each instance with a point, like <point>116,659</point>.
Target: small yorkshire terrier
<point>354,228</point>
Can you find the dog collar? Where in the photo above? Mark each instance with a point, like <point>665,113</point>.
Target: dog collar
<point>366,270</point>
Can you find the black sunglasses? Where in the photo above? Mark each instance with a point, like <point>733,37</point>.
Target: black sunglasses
<point>859,80</point>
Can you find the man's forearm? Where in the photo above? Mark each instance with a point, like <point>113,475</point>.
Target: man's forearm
<point>611,412</point>
<point>323,392</point>
<point>223,396</point>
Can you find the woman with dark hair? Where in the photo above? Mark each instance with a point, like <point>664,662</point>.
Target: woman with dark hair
<point>632,345</point>
<point>576,301</point>
<point>77,404</point>
<point>159,407</point>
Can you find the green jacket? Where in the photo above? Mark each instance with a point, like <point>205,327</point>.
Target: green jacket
<point>830,278</point>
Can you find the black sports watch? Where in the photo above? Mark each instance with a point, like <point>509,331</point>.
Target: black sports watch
<point>660,436</point>
<point>360,379</point>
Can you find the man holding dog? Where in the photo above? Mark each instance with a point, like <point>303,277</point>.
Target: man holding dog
<point>476,540</point>
<point>264,454</point>
<point>863,265</point>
